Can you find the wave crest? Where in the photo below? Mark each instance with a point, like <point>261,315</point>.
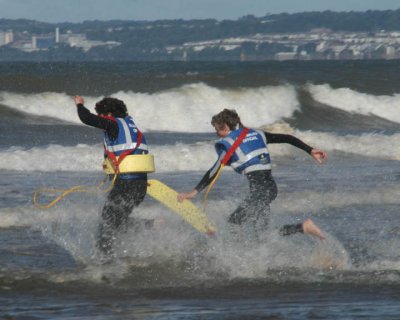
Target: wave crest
<point>351,101</point>
<point>190,157</point>
<point>185,109</point>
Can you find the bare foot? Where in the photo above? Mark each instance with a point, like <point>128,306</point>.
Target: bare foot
<point>310,228</point>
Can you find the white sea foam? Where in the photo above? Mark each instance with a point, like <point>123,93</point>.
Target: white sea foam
<point>314,201</point>
<point>50,104</point>
<point>189,157</point>
<point>189,108</point>
<point>368,145</point>
<point>185,109</point>
<point>73,226</point>
<point>386,107</point>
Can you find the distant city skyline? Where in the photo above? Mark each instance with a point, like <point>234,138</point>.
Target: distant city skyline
<point>80,10</point>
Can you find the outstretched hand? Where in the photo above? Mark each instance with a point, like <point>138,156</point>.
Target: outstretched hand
<point>186,195</point>
<point>320,156</point>
<point>78,100</point>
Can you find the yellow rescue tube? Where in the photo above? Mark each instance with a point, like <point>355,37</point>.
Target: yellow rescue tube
<point>133,163</point>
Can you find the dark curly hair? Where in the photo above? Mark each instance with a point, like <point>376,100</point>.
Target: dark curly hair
<point>111,105</point>
<point>229,117</point>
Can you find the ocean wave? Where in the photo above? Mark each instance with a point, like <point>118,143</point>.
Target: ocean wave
<point>189,157</point>
<point>314,201</point>
<point>370,145</point>
<point>189,108</point>
<point>185,109</point>
<point>351,101</point>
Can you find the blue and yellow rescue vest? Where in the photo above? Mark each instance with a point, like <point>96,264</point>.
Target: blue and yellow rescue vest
<point>127,138</point>
<point>251,155</point>
<point>131,145</point>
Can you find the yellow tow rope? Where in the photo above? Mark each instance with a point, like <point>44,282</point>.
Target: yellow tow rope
<point>211,185</point>
<point>224,161</point>
<point>65,192</point>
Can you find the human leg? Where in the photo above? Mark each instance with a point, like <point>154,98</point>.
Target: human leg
<point>307,226</point>
<point>122,199</point>
<point>253,213</point>
<point>289,229</point>
<point>310,228</point>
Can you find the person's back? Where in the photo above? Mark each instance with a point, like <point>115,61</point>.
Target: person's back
<point>250,157</point>
<point>121,138</point>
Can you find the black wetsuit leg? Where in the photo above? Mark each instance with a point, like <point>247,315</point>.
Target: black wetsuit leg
<point>289,229</point>
<point>122,199</point>
<point>254,211</point>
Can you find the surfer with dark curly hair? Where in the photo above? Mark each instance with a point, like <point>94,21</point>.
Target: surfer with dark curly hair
<point>121,138</point>
<point>246,151</point>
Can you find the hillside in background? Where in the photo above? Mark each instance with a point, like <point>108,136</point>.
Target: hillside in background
<point>308,35</point>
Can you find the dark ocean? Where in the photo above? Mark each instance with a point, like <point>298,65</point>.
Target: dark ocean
<point>49,266</point>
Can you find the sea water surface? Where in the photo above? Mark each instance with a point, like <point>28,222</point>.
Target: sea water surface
<point>49,267</point>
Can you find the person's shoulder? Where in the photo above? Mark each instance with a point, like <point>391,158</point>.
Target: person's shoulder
<point>257,130</point>
<point>109,118</point>
<point>234,133</point>
<point>220,142</point>
<point>128,118</point>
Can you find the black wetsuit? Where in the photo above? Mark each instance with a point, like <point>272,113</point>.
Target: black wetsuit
<point>254,210</point>
<point>127,193</point>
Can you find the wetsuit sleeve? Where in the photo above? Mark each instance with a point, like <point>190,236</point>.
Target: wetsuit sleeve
<point>210,174</point>
<point>93,120</point>
<point>287,138</point>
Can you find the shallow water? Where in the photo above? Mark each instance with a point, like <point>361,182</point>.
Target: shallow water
<point>49,267</point>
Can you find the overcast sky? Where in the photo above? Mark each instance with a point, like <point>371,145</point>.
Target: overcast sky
<point>80,10</point>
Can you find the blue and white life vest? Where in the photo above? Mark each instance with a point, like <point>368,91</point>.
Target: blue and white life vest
<point>251,155</point>
<point>127,138</point>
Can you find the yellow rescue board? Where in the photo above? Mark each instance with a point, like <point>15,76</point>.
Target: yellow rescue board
<point>186,209</point>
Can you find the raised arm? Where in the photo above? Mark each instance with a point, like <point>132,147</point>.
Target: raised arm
<point>93,120</point>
